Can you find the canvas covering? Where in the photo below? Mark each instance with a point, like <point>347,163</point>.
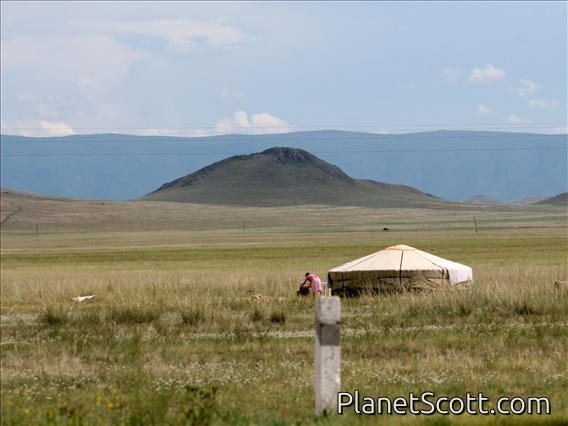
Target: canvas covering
<point>398,268</point>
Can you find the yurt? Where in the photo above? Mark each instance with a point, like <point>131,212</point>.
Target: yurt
<point>397,268</point>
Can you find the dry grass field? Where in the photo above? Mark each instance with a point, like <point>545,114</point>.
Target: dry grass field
<point>175,336</point>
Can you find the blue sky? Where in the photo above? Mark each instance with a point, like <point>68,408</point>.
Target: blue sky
<point>203,68</point>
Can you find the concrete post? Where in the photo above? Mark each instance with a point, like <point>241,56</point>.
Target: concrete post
<point>327,353</point>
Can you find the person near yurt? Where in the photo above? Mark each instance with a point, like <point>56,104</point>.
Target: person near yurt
<point>396,269</point>
<point>312,283</point>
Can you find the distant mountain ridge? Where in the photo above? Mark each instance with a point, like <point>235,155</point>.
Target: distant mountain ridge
<point>453,165</point>
<point>483,200</point>
<point>283,176</point>
<point>557,200</point>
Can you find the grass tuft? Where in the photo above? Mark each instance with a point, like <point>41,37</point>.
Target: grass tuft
<point>278,317</point>
<point>53,316</point>
<point>133,314</point>
<point>193,316</point>
<point>257,314</point>
<point>525,307</point>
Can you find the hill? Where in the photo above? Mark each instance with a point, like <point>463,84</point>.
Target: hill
<point>453,165</point>
<point>558,200</point>
<point>483,200</point>
<point>281,177</point>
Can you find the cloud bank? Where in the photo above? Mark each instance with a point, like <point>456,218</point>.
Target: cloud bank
<point>259,123</point>
<point>180,34</point>
<point>40,128</point>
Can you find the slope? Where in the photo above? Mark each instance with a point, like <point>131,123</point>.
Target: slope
<point>560,200</point>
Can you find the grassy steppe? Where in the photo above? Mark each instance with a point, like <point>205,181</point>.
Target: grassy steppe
<point>174,335</point>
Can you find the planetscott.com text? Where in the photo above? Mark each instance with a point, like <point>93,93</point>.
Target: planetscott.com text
<point>428,403</point>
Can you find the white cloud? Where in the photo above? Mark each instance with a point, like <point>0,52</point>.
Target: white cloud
<point>22,128</point>
<point>526,88</point>
<point>67,79</point>
<point>78,76</point>
<point>50,128</point>
<point>241,120</point>
<point>542,104</point>
<point>180,34</point>
<point>36,128</point>
<point>259,123</point>
<point>488,73</point>
<point>239,123</point>
<point>515,119</point>
<point>484,109</point>
<point>266,123</point>
<point>451,74</point>
<point>199,132</point>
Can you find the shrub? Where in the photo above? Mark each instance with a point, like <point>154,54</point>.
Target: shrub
<point>278,317</point>
<point>53,316</point>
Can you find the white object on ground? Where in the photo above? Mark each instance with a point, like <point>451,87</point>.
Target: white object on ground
<point>83,298</point>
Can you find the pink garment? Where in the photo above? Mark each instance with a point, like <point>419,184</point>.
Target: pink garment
<point>315,283</point>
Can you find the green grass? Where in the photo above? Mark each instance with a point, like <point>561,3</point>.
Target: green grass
<point>176,336</point>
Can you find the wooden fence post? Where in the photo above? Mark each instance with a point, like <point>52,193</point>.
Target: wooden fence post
<point>327,353</point>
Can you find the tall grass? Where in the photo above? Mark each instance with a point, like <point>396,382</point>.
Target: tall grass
<point>217,335</point>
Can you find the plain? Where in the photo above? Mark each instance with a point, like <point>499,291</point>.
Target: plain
<point>196,321</point>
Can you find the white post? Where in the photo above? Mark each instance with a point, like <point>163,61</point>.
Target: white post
<point>327,362</point>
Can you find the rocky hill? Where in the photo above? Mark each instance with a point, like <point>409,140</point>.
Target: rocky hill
<point>284,176</point>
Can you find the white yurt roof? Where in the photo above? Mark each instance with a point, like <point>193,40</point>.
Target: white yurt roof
<point>402,258</point>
